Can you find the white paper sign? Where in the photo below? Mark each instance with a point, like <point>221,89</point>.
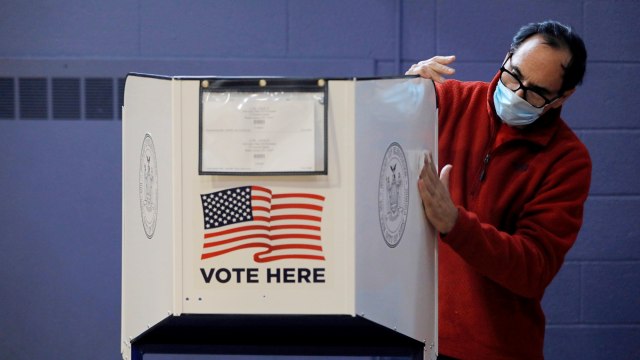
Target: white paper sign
<point>258,132</point>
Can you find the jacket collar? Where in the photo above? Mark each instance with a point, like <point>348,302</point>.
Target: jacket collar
<point>540,132</point>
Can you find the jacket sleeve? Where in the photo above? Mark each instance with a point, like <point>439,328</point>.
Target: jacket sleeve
<point>526,260</point>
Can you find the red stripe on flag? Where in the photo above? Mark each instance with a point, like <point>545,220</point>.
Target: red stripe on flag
<point>294,236</point>
<point>296,227</point>
<point>283,257</point>
<point>238,238</point>
<point>298,195</point>
<point>296,217</point>
<point>296,246</point>
<point>231,231</point>
<point>260,188</point>
<point>225,251</point>
<point>263,256</point>
<point>296,206</point>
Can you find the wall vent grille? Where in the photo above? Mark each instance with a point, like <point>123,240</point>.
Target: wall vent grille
<point>121,83</point>
<point>7,98</point>
<point>66,98</point>
<point>99,98</point>
<point>61,98</point>
<point>33,98</point>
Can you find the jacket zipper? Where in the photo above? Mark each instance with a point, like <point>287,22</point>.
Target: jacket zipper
<point>485,163</point>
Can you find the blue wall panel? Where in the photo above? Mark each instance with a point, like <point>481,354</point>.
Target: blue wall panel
<point>199,28</point>
<point>601,104</point>
<point>610,290</point>
<point>68,28</point>
<point>336,28</point>
<point>607,232</point>
<point>482,30</point>
<point>592,342</point>
<point>615,161</point>
<point>60,179</point>
<point>388,68</point>
<point>564,290</point>
<point>61,237</point>
<point>612,31</point>
<point>418,29</point>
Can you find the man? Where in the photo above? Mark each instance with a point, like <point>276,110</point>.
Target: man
<point>508,204</point>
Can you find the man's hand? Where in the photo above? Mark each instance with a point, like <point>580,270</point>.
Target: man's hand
<point>433,68</point>
<point>436,200</point>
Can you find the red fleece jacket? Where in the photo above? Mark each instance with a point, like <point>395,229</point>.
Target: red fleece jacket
<point>520,195</point>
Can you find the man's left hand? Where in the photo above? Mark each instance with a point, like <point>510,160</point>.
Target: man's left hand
<point>436,200</point>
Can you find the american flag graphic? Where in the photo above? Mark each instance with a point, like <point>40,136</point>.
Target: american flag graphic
<point>279,226</point>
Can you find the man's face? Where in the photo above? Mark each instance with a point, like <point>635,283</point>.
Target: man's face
<point>541,67</point>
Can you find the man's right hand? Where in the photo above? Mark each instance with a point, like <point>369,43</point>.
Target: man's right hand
<point>433,68</point>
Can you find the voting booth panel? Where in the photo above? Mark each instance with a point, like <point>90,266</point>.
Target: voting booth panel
<point>277,197</point>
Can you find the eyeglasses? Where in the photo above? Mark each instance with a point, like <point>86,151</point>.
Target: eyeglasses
<point>513,83</point>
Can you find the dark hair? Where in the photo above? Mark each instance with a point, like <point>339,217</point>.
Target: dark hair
<point>558,36</point>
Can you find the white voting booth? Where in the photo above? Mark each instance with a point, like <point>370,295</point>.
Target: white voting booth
<point>279,206</point>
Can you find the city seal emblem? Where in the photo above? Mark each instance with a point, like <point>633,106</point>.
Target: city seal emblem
<point>148,186</point>
<point>393,195</point>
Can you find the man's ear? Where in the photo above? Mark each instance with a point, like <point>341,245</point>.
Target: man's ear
<point>556,104</point>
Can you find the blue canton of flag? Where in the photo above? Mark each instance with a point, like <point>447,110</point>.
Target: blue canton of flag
<point>227,207</point>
